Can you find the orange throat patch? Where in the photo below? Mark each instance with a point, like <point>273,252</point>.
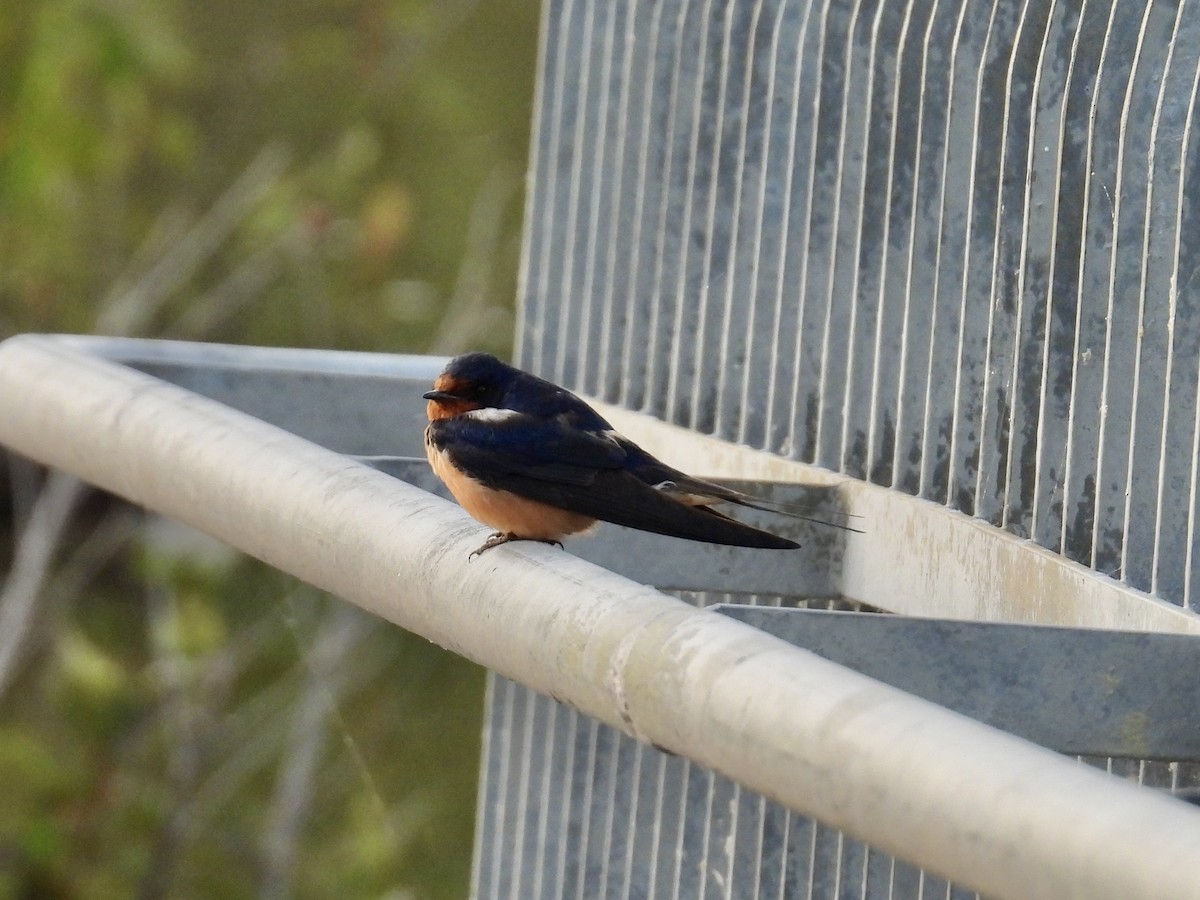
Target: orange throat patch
<point>448,409</point>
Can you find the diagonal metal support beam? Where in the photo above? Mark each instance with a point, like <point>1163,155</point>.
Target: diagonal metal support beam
<point>1075,690</point>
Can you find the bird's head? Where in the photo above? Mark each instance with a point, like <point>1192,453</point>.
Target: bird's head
<point>471,381</point>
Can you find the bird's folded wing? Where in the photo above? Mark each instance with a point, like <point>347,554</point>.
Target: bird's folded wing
<point>527,447</point>
<point>584,472</point>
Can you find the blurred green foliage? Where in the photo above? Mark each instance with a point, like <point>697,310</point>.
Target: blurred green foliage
<point>123,121</point>
<point>184,722</point>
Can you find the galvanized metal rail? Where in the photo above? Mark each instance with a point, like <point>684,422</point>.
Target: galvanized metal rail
<point>973,803</point>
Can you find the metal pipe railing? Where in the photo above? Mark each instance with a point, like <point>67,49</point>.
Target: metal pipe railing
<point>974,804</point>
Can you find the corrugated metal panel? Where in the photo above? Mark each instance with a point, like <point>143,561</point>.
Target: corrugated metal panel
<point>573,809</point>
<point>947,247</point>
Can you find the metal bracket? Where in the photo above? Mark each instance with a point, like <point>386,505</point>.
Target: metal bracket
<point>1089,692</point>
<point>1086,691</point>
<point>813,571</point>
<point>369,406</point>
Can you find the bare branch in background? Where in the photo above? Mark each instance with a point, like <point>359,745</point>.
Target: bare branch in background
<point>169,228</point>
<point>25,479</point>
<point>340,634</point>
<point>242,286</point>
<point>31,562</point>
<point>128,307</point>
<point>198,729</point>
<point>181,717</point>
<point>470,315</point>
<point>407,55</point>
<point>109,537</point>
<point>84,559</point>
<point>256,731</point>
<point>126,310</point>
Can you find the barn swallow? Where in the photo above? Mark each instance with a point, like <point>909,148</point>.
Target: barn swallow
<point>535,462</point>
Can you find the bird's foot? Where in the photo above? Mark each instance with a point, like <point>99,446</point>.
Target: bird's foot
<point>494,541</point>
<point>501,537</point>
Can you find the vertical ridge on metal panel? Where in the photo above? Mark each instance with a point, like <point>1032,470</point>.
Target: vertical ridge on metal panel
<point>609,817</point>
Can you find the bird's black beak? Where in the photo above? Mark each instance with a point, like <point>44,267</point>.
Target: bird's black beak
<point>440,396</point>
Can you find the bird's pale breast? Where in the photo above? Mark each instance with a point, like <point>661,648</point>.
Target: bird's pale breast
<point>503,510</point>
